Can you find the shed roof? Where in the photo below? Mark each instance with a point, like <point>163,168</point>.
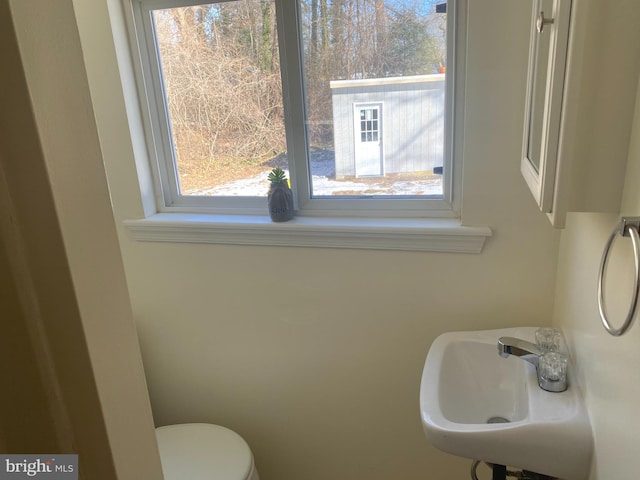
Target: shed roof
<point>387,81</point>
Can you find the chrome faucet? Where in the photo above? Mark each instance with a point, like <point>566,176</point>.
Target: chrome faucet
<point>551,377</point>
<point>527,351</point>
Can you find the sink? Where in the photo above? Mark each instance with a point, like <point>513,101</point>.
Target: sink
<point>479,405</point>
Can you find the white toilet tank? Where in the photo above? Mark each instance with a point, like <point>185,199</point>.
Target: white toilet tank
<point>202,451</point>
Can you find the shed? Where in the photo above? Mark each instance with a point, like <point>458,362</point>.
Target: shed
<point>388,125</point>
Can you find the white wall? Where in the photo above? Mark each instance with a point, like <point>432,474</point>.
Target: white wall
<point>607,366</point>
<point>315,355</point>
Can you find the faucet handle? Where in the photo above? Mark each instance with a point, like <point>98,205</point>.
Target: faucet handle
<point>552,372</point>
<point>548,339</point>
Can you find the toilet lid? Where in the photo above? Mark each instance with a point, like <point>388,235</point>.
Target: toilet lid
<point>201,451</point>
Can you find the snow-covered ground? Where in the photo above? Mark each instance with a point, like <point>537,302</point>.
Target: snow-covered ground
<point>325,184</point>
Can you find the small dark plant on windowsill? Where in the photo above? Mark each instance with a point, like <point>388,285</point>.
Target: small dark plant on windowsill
<point>280,197</point>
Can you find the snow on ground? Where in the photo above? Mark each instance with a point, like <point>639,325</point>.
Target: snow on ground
<point>325,184</point>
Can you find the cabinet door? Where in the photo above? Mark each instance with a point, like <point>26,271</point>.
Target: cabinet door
<point>547,59</point>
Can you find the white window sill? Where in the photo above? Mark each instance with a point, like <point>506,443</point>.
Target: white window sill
<point>427,235</point>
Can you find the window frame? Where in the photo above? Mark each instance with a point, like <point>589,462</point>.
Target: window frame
<point>158,128</point>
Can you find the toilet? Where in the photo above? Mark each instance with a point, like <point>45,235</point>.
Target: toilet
<point>202,451</point>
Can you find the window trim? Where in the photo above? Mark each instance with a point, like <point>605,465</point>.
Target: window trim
<point>157,127</point>
<point>398,234</point>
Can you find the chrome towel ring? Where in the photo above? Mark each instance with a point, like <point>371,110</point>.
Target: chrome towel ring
<point>628,227</point>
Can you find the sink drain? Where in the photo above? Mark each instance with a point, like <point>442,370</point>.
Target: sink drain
<point>498,420</point>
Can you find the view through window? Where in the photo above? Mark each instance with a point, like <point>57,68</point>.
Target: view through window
<point>374,76</point>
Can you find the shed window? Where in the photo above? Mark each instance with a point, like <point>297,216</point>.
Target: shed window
<point>369,125</point>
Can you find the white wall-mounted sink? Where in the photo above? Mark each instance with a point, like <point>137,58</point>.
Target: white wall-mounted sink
<point>466,387</point>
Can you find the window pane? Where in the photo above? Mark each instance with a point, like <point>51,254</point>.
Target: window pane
<point>221,73</point>
<point>374,74</point>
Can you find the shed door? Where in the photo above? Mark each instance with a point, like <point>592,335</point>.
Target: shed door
<point>368,139</point>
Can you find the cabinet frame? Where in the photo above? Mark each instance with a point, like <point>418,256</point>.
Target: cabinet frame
<point>541,180</point>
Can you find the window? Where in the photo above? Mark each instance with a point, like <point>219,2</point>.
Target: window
<point>353,98</point>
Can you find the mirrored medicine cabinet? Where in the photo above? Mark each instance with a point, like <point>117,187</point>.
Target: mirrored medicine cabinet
<point>545,83</point>
<point>584,64</point>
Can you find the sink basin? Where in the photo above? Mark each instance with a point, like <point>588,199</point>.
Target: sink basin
<point>479,405</point>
